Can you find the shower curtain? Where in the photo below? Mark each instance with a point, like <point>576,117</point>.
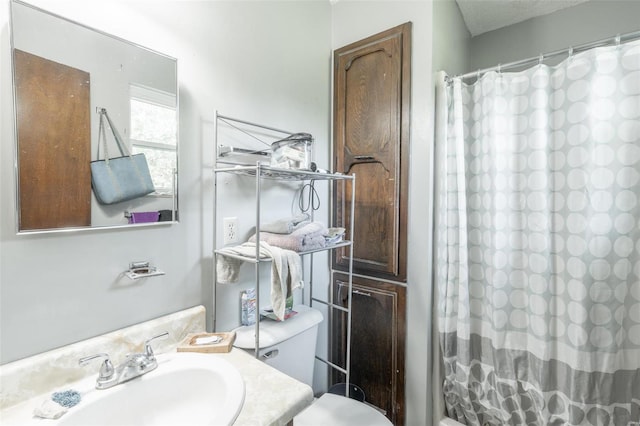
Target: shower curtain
<point>538,244</point>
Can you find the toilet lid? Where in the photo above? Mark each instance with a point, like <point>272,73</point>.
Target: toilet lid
<point>337,410</point>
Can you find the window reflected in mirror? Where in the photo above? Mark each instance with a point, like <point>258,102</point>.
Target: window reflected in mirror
<point>153,133</point>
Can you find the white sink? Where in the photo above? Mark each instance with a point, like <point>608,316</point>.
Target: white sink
<point>185,389</point>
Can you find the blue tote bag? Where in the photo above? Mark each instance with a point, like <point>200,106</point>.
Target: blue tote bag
<point>120,178</point>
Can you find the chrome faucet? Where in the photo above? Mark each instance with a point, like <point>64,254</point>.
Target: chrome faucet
<point>134,365</point>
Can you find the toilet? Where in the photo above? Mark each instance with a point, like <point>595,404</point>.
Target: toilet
<point>290,347</point>
<point>332,409</point>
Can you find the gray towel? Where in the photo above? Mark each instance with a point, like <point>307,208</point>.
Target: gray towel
<point>286,226</point>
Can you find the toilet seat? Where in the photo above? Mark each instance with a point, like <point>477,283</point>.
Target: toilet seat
<point>337,410</point>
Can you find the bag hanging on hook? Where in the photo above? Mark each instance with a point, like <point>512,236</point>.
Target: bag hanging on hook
<point>120,178</point>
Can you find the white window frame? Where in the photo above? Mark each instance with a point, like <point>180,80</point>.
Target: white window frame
<point>158,97</point>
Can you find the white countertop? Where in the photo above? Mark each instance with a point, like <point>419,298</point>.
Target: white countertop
<point>271,397</point>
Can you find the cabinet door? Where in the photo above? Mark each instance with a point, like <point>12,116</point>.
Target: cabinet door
<point>377,341</point>
<point>371,138</point>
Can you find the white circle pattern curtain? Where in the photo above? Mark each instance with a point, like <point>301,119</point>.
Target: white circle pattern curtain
<point>538,249</point>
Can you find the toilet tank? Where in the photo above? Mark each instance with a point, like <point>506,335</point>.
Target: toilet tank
<point>289,346</point>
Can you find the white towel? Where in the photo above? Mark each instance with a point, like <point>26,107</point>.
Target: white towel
<point>286,270</point>
<point>228,268</point>
<point>286,276</point>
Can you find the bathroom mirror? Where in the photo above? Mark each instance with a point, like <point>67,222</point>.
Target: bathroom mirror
<point>64,73</point>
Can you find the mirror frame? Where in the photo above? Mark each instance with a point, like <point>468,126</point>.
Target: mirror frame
<point>16,186</point>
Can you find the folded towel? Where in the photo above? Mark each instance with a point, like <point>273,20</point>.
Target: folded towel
<point>314,243</point>
<point>286,226</point>
<point>302,239</point>
<point>286,270</point>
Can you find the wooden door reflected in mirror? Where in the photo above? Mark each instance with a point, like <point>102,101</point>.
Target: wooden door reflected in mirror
<point>54,141</point>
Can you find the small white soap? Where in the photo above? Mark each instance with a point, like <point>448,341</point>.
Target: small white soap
<point>207,340</point>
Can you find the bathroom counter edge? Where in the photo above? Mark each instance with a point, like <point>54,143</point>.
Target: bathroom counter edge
<point>271,397</point>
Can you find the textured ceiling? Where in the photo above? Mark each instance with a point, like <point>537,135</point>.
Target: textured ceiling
<point>481,16</point>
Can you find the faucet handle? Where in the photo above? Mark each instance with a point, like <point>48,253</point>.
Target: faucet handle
<point>106,369</point>
<point>148,351</point>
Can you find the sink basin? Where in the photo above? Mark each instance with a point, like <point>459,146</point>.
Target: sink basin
<point>185,389</point>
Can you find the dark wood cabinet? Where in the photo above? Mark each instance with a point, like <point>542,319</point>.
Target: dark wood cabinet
<point>371,140</point>
<point>377,341</point>
<point>371,117</point>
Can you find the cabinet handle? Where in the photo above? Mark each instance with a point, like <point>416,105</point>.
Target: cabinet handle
<point>364,157</point>
<point>361,293</point>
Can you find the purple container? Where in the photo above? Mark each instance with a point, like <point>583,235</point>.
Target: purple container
<point>144,217</point>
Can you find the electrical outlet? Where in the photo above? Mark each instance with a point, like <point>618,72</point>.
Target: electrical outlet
<point>230,230</point>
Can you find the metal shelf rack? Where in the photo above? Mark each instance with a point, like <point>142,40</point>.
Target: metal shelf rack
<point>260,172</point>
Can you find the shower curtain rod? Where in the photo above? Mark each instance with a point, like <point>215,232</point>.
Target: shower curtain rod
<point>570,50</point>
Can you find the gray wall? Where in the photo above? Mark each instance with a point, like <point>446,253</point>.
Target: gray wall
<point>586,22</point>
<point>237,57</point>
<point>451,39</point>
